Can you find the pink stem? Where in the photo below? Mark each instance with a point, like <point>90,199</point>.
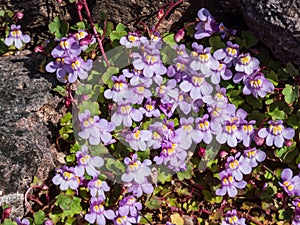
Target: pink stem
<point>168,11</point>
<point>95,32</point>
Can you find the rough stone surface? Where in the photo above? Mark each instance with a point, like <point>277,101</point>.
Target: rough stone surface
<point>277,24</point>
<point>29,113</point>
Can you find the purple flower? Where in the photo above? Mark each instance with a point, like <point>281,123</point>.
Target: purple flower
<point>252,156</point>
<point>229,184</point>
<point>202,130</point>
<point>245,64</point>
<point>136,94</point>
<point>228,133</point>
<point>246,132</point>
<point>150,63</point>
<point>67,46</point>
<point>60,66</point>
<point>186,132</point>
<point>257,85</point>
<point>229,54</point>
<point>137,139</point>
<point>131,40</point>
<point>78,68</point>
<point>168,93</point>
<point>97,188</point>
<point>23,221</point>
<point>125,220</point>
<point>125,114</point>
<point>138,189</point>
<point>172,156</point>
<point>207,25</point>
<point>197,86</point>
<point>86,162</point>
<point>16,37</point>
<point>129,206</point>
<point>66,178</point>
<point>237,167</point>
<point>202,59</point>
<point>219,98</point>
<point>97,213</point>
<point>220,72</point>
<point>136,171</point>
<point>149,109</point>
<point>231,218</point>
<point>290,184</point>
<point>137,77</point>
<point>276,133</point>
<point>119,90</point>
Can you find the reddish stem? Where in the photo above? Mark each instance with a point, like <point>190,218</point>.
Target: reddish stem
<point>79,12</point>
<point>167,13</point>
<point>95,32</point>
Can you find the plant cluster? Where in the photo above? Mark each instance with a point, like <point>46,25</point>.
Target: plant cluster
<point>197,127</point>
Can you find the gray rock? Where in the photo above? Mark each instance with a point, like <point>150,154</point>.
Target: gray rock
<point>29,115</point>
<point>276,23</point>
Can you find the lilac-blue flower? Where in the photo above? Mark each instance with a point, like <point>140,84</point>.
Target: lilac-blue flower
<point>172,156</point>
<point>137,139</point>
<point>97,213</point>
<point>138,189</point>
<point>228,133</point>
<point>67,46</point>
<point>245,64</point>
<point>125,114</point>
<point>97,188</point>
<point>246,132</point>
<point>196,85</point>
<point>136,94</point>
<point>136,171</point>
<point>16,37</point>
<point>221,72</point>
<point>253,156</point>
<point>206,26</point>
<point>237,167</point>
<point>184,102</point>
<point>124,220</point>
<point>78,68</point>
<point>227,55</point>
<point>129,206</point>
<point>66,178</point>
<point>231,218</point>
<point>275,133</point>
<point>137,77</point>
<point>202,130</point>
<point>87,163</point>
<point>23,221</point>
<point>202,59</point>
<point>229,184</point>
<point>60,66</point>
<point>119,90</point>
<point>149,109</point>
<point>168,93</point>
<point>257,85</point>
<point>290,183</point>
<point>186,132</point>
<point>131,40</point>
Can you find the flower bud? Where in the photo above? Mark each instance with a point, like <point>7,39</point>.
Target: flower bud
<point>288,143</point>
<point>18,15</point>
<point>279,195</point>
<point>201,152</point>
<point>38,49</point>
<point>258,140</point>
<point>160,13</point>
<point>223,154</point>
<point>180,35</point>
<point>79,6</point>
<point>6,213</point>
<point>59,1</point>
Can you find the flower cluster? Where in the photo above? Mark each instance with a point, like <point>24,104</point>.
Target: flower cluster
<point>68,63</point>
<point>231,218</point>
<point>236,167</point>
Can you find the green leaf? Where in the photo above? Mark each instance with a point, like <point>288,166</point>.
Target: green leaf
<point>216,43</point>
<point>187,174</point>
<point>235,98</point>
<point>58,27</point>
<point>250,39</point>
<point>61,90</point>
<point>106,77</point>
<point>168,38</point>
<point>272,76</point>
<point>93,107</point>
<point>291,69</point>
<point>115,166</point>
<point>109,28</point>
<point>145,219</point>
<point>257,116</point>
<point>9,222</point>
<point>118,33</point>
<point>168,54</point>
<point>290,93</point>
<point>254,102</point>
<point>153,203</point>
<point>69,204</point>
<point>277,114</point>
<point>164,177</point>
<point>3,47</point>
<point>39,217</point>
